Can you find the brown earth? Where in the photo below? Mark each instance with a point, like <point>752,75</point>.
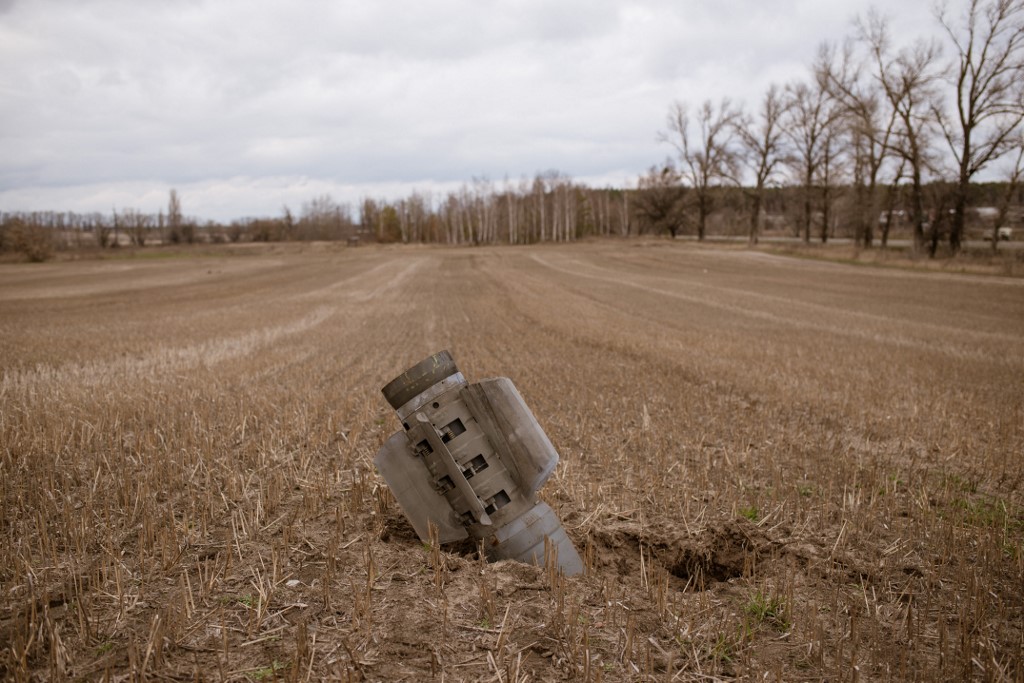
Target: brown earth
<point>774,467</point>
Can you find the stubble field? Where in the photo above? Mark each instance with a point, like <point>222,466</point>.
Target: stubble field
<point>774,468</point>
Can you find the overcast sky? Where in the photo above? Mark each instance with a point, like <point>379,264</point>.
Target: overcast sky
<point>247,105</point>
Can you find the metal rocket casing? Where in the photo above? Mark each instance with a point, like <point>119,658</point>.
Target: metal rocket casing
<point>470,460</point>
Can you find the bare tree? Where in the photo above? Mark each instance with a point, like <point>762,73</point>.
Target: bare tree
<point>811,114</point>
<point>369,217</point>
<point>513,211</point>
<point>287,223</point>
<point>829,172</point>
<point>625,225</point>
<point>101,229</point>
<point>136,224</point>
<point>539,200</point>
<point>908,80</point>
<point>707,154</point>
<point>116,220</point>
<point>188,231</point>
<point>762,150</point>
<point>598,206</point>
<point>1013,181</point>
<point>658,202</point>
<point>563,206</point>
<point>870,121</point>
<point>174,220</point>
<point>316,218</point>
<point>891,195</point>
<point>484,203</point>
<point>988,76</point>
<point>941,197</point>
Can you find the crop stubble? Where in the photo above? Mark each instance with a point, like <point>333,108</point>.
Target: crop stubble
<point>775,466</point>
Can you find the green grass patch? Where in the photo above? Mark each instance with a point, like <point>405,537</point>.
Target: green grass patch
<point>750,512</point>
<point>268,672</point>
<point>763,608</point>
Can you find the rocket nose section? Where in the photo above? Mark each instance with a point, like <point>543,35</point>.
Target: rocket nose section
<point>523,540</point>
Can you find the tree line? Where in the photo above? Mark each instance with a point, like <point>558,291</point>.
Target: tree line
<point>551,207</point>
<point>37,234</point>
<point>899,128</point>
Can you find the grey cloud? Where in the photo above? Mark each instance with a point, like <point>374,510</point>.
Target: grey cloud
<point>350,94</point>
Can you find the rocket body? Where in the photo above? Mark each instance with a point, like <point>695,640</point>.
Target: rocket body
<point>470,460</point>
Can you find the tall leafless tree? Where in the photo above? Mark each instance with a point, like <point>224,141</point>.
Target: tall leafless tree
<point>908,79</point>
<point>833,147</point>
<point>287,223</point>
<point>513,211</point>
<point>136,224</point>
<point>539,195</point>
<point>889,211</point>
<point>322,218</point>
<point>870,121</point>
<point>619,207</point>
<point>988,80</point>
<point>707,155</point>
<point>811,114</point>
<point>763,150</point>
<point>174,218</point>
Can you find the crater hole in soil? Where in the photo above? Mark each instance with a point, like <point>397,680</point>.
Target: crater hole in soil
<point>723,554</point>
<point>698,569</point>
<point>696,562</point>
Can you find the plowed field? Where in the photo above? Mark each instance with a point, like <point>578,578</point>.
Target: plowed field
<point>773,467</point>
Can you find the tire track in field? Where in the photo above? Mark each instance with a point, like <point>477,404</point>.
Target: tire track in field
<point>168,359</point>
<point>358,278</point>
<point>394,281</point>
<point>736,258</point>
<point>160,361</point>
<point>708,301</point>
<point>823,309</point>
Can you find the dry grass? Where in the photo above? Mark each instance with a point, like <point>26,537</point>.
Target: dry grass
<point>774,467</point>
